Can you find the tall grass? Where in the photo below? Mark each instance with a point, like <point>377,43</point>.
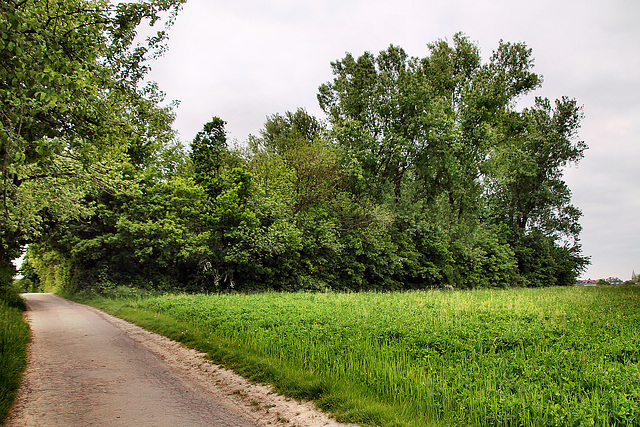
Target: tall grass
<point>14,336</point>
<point>526,357</point>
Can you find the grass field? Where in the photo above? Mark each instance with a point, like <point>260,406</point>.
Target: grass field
<point>14,336</point>
<point>524,357</point>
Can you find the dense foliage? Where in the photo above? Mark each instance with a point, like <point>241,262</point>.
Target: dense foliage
<point>522,357</point>
<point>73,111</point>
<point>424,175</point>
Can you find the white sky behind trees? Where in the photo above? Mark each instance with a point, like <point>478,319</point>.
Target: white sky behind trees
<point>244,60</point>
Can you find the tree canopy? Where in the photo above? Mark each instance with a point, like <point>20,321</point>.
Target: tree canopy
<point>424,174</point>
<point>72,107</point>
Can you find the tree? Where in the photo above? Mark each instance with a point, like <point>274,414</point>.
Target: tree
<point>70,96</point>
<point>299,141</point>
<point>432,119</point>
<point>426,175</point>
<point>526,190</point>
<point>439,140</point>
<point>526,169</point>
<point>381,112</point>
<point>284,133</point>
<point>208,149</point>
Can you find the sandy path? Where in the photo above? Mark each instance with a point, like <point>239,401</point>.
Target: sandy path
<point>88,368</point>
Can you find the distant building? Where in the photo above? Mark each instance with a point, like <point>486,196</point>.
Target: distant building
<point>587,282</point>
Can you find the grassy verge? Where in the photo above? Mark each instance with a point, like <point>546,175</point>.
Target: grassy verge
<point>14,336</point>
<point>527,357</point>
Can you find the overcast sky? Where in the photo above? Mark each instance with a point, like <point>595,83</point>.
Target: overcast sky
<point>244,60</point>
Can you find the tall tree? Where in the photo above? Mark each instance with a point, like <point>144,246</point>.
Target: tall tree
<point>208,154</point>
<point>70,77</point>
<point>381,111</point>
<point>285,133</point>
<point>442,137</point>
<point>299,141</point>
<point>430,118</point>
<point>526,185</point>
<point>527,192</point>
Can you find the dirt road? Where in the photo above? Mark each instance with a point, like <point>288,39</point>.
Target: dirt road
<point>88,368</point>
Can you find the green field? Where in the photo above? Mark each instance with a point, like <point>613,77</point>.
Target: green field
<point>14,336</point>
<point>524,357</point>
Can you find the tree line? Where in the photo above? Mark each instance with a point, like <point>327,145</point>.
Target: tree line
<point>423,174</point>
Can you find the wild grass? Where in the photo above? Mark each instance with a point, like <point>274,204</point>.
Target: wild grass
<point>524,357</point>
<point>14,336</point>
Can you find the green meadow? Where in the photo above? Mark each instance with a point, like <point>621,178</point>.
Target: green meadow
<point>565,356</point>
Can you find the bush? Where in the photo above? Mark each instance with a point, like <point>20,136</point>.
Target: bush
<point>8,291</point>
